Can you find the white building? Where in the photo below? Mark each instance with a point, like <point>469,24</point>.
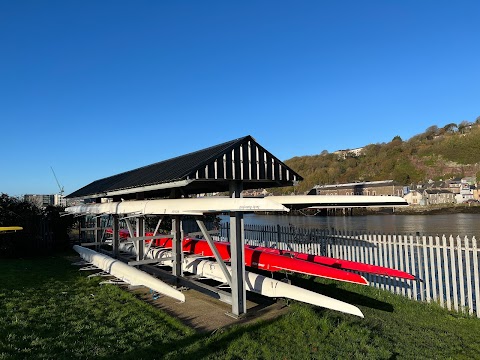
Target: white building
<point>46,200</point>
<point>466,193</point>
<point>414,197</point>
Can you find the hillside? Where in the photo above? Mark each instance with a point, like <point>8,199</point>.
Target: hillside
<point>438,153</point>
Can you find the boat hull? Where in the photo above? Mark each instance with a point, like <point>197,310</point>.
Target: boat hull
<point>253,282</point>
<point>266,261</point>
<point>339,263</point>
<point>127,273</point>
<point>187,206</point>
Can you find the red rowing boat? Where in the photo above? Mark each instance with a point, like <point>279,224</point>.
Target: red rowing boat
<point>338,263</point>
<point>263,260</point>
<point>275,260</point>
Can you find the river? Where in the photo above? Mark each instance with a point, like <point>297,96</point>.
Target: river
<point>445,224</point>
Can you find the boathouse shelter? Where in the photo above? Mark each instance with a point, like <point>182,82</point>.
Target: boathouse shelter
<point>213,169</point>
<point>231,166</point>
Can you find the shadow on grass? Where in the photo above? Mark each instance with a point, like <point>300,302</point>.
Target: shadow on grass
<point>37,272</point>
<point>197,346</point>
<point>332,289</point>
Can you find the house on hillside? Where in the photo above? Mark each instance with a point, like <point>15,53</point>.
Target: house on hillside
<point>438,196</point>
<point>343,154</point>
<point>414,197</point>
<point>454,185</point>
<point>440,184</point>
<point>471,180</point>
<point>465,192</point>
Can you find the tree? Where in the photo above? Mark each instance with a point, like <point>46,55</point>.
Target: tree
<point>43,229</point>
<point>464,126</point>
<point>450,128</point>
<point>431,132</point>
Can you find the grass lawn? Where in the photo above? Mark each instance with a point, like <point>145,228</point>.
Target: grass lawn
<point>50,310</point>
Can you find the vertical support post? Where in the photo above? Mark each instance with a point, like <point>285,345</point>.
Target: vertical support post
<point>115,239</point>
<point>141,232</point>
<point>177,245</point>
<point>81,233</point>
<point>98,231</point>
<point>237,242</point>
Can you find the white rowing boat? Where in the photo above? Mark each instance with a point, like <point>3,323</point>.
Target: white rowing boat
<point>186,206</point>
<point>127,273</point>
<point>253,282</point>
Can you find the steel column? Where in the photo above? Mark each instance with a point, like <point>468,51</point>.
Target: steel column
<point>237,241</point>
<point>98,231</point>
<point>177,245</point>
<point>115,239</point>
<point>140,232</point>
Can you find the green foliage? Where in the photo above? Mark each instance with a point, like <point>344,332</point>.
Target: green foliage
<point>43,229</point>
<point>50,310</point>
<point>15,212</point>
<point>462,148</point>
<point>450,128</point>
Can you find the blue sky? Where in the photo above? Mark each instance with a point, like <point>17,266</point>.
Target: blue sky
<point>95,88</point>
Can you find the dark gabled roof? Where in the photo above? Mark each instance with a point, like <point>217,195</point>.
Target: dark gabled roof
<point>207,170</point>
<point>438,191</point>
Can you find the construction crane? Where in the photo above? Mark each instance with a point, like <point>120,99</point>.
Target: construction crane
<point>59,186</point>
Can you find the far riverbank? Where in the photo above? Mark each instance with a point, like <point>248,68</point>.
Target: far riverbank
<point>438,209</point>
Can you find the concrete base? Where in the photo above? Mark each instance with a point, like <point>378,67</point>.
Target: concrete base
<point>206,315</point>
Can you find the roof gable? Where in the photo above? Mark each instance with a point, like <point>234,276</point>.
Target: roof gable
<point>205,170</point>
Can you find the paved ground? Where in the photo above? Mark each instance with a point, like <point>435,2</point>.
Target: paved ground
<point>206,314</point>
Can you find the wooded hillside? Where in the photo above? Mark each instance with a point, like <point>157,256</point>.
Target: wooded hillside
<point>438,153</point>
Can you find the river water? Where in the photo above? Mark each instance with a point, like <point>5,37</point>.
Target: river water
<point>445,224</point>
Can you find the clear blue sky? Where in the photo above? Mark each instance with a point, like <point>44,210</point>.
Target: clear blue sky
<point>95,88</point>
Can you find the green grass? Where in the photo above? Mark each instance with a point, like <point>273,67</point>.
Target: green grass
<point>50,310</point>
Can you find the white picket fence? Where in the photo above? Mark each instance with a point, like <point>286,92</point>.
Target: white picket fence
<point>447,266</point>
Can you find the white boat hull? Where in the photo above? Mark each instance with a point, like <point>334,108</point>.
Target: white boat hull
<point>253,282</point>
<point>338,201</point>
<point>187,206</point>
<point>127,273</point>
